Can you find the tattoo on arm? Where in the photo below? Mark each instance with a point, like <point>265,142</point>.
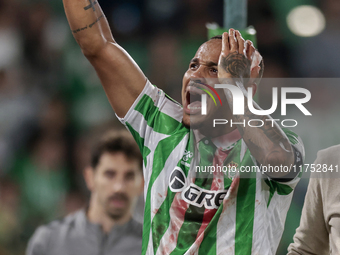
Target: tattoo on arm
<point>94,22</point>
<point>272,143</point>
<point>237,65</point>
<point>88,26</point>
<point>79,29</point>
<point>269,129</point>
<point>91,6</point>
<point>264,138</point>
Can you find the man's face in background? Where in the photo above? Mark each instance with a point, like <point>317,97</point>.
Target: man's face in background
<point>115,184</point>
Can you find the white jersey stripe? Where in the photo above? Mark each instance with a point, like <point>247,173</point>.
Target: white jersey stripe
<point>260,240</point>
<point>159,190</point>
<point>139,124</point>
<point>150,159</point>
<point>226,225</point>
<point>150,246</point>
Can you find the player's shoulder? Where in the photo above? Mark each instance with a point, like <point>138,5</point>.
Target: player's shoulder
<point>328,162</point>
<point>153,91</point>
<point>45,231</point>
<point>67,221</point>
<point>45,234</point>
<point>153,102</point>
<point>161,99</point>
<point>331,153</point>
<point>136,227</point>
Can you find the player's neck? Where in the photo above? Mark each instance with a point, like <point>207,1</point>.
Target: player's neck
<point>96,214</point>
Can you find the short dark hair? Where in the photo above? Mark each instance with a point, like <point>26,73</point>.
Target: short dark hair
<point>115,142</point>
<point>258,79</point>
<point>216,37</point>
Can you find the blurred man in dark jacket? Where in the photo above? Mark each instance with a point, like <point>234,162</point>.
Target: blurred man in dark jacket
<point>106,227</point>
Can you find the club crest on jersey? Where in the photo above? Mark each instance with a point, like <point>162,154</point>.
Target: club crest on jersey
<point>193,194</point>
<point>187,155</point>
<point>232,165</point>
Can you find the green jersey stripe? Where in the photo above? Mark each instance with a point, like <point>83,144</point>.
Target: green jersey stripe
<point>281,189</point>
<point>189,230</point>
<point>161,220</point>
<point>159,121</point>
<point>191,225</point>
<point>159,225</point>
<point>245,207</point>
<point>244,216</point>
<point>140,141</point>
<point>163,150</point>
<point>208,245</point>
<point>168,239</point>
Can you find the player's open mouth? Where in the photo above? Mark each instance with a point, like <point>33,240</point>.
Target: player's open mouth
<point>192,103</point>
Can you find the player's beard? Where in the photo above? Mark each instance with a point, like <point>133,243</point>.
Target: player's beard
<point>114,212</point>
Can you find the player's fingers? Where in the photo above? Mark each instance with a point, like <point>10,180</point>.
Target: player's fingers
<point>232,41</point>
<point>250,50</point>
<point>225,44</point>
<point>246,47</point>
<point>240,41</point>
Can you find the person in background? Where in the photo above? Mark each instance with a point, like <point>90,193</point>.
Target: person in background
<point>319,230</point>
<point>106,226</point>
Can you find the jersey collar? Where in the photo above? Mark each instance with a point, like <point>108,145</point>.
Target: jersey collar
<point>223,142</point>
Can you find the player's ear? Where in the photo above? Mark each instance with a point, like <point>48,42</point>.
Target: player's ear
<point>88,174</point>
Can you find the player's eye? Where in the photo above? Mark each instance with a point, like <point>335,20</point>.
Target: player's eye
<point>193,66</point>
<point>110,174</point>
<point>214,71</point>
<point>130,176</point>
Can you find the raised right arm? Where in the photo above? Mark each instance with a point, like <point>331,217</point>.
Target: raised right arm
<point>120,76</point>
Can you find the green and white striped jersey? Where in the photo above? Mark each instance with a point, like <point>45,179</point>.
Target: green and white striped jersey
<point>188,214</point>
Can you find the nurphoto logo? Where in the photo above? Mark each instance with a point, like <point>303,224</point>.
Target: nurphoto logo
<point>238,103</point>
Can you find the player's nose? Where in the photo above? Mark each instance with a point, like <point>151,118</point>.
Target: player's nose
<point>118,186</point>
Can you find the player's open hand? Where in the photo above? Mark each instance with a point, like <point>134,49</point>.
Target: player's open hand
<point>236,56</point>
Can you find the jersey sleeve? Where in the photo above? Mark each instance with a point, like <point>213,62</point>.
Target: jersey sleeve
<point>298,146</point>
<point>152,115</point>
<point>287,183</point>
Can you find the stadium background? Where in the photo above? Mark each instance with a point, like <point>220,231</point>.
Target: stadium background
<point>52,106</point>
